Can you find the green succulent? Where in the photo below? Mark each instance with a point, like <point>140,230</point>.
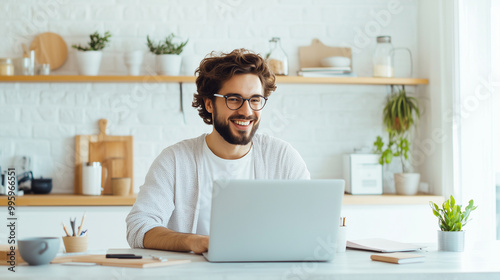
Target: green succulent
<point>167,46</point>
<point>97,42</point>
<point>451,217</point>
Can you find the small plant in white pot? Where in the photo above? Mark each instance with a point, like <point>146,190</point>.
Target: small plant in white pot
<point>451,219</point>
<point>401,112</point>
<point>168,59</point>
<point>89,57</point>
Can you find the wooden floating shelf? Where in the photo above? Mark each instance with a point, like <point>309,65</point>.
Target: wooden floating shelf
<point>110,200</point>
<point>351,80</point>
<point>70,200</point>
<point>392,199</point>
<point>191,79</point>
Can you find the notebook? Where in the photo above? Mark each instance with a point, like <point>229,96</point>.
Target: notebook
<point>274,220</point>
<point>398,258</point>
<point>382,245</point>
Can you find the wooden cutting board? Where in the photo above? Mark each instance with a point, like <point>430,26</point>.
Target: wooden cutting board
<point>310,56</point>
<point>101,260</point>
<point>115,153</point>
<point>50,48</point>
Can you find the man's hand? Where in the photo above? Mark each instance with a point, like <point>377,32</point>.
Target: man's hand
<point>199,243</point>
<point>165,239</point>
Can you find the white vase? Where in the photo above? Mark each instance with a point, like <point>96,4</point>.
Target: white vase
<point>88,62</point>
<point>133,61</point>
<point>451,241</point>
<point>168,64</point>
<point>406,183</point>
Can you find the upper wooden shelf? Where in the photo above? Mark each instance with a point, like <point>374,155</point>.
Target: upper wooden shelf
<point>191,79</point>
<point>70,200</point>
<point>110,200</point>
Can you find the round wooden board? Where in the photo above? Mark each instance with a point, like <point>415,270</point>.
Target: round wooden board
<point>50,48</point>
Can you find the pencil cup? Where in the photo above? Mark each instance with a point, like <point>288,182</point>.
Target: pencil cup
<point>342,239</point>
<point>121,186</point>
<point>75,244</point>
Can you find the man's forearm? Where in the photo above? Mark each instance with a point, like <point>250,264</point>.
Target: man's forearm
<point>165,239</point>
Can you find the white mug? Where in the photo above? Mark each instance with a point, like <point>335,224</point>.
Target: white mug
<point>92,178</point>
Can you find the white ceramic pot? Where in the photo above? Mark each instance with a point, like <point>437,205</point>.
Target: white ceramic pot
<point>451,241</point>
<point>88,62</point>
<point>168,64</point>
<point>406,183</point>
<point>133,61</point>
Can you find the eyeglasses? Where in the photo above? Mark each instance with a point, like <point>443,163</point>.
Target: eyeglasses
<point>234,101</point>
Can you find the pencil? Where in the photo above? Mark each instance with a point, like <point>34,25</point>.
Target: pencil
<point>65,230</point>
<point>81,224</point>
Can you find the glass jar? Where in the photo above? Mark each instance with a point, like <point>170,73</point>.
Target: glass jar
<point>276,58</point>
<point>382,58</point>
<point>6,67</point>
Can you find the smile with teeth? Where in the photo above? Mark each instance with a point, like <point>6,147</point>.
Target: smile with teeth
<point>242,123</point>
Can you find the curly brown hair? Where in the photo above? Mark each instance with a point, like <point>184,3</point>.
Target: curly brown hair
<point>217,68</point>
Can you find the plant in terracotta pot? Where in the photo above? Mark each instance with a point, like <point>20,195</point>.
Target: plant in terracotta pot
<point>168,59</point>
<point>400,115</point>
<point>451,219</point>
<point>89,57</point>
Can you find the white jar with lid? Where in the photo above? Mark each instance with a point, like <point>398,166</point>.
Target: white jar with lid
<point>382,58</point>
<point>6,67</point>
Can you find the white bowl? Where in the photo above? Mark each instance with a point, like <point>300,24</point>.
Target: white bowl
<point>336,61</point>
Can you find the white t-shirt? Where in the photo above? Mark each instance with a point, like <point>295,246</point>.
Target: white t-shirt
<point>216,168</point>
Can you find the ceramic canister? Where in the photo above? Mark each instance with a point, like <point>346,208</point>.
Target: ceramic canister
<point>91,178</point>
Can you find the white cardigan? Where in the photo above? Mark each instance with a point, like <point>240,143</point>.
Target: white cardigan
<point>169,195</point>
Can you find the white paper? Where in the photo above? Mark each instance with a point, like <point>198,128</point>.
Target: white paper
<point>382,245</point>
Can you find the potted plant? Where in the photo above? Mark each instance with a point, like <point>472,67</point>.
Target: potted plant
<point>451,219</point>
<point>168,59</point>
<point>89,57</point>
<point>401,113</point>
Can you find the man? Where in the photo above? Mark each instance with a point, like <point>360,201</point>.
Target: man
<point>172,210</point>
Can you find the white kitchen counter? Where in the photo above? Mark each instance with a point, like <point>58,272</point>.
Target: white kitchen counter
<point>479,262</point>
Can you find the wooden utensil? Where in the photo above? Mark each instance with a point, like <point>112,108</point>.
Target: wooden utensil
<point>115,153</point>
<point>310,56</point>
<point>50,48</point>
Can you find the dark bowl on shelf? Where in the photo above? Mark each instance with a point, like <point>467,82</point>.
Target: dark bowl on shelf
<point>41,186</point>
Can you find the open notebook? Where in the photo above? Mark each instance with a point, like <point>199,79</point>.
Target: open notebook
<point>383,245</point>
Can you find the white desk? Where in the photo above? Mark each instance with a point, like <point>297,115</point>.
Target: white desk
<point>482,262</point>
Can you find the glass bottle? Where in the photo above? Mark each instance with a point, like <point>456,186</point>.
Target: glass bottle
<point>276,58</point>
<point>6,67</point>
<point>382,58</point>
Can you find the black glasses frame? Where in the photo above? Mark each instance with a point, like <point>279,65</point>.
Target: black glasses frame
<point>244,99</point>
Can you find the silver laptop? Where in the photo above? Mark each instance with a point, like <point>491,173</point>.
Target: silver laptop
<point>274,220</point>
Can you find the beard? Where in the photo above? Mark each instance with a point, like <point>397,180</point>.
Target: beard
<point>241,137</point>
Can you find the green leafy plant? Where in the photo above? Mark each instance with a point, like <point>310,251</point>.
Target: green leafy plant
<point>400,114</point>
<point>451,217</point>
<point>97,42</point>
<point>398,146</point>
<point>167,46</point>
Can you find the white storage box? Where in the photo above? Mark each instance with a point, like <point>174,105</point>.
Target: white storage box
<point>362,174</point>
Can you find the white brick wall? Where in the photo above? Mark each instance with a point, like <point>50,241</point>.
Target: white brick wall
<point>321,121</point>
